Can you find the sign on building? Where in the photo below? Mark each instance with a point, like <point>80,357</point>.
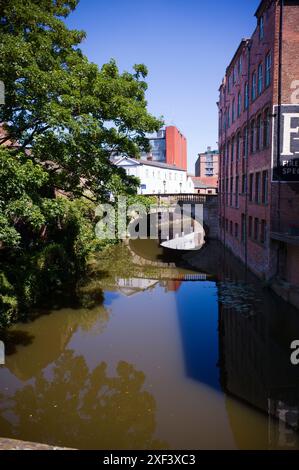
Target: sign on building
<point>285,161</point>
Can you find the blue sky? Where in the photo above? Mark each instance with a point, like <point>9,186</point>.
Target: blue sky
<point>186,45</point>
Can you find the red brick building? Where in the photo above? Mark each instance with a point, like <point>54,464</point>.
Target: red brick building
<point>176,147</point>
<point>168,146</point>
<point>259,148</point>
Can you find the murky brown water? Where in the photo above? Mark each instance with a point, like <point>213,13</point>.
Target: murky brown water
<point>164,361</point>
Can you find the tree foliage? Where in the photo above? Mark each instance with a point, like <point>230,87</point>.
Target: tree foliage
<point>63,119</point>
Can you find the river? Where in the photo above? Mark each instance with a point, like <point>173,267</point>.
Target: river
<point>190,352</point>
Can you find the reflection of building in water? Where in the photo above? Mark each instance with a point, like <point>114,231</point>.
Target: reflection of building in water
<point>288,416</point>
<point>255,365</point>
<point>133,285</point>
<point>173,285</point>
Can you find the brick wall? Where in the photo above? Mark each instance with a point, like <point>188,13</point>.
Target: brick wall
<point>237,212</point>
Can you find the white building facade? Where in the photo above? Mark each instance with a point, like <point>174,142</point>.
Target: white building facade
<point>156,177</point>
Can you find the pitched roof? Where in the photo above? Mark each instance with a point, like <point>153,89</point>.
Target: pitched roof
<point>162,165</point>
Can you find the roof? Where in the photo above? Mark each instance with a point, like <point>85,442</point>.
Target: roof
<point>165,166</point>
<point>205,181</point>
<point>240,47</point>
<point>209,152</point>
<point>262,6</point>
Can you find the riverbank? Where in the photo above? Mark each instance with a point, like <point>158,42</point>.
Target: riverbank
<point>15,444</point>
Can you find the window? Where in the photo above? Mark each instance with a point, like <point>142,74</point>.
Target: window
<point>245,138</point>
<point>256,228</point>
<point>236,230</point>
<point>239,104</point>
<point>240,65</point>
<point>265,187</point>
<point>234,74</point>
<point>263,234</point>
<point>252,134</point>
<point>237,192</point>
<point>231,227</point>
<point>253,87</point>
<point>260,79</point>
<point>261,28</point>
<point>258,188</point>
<point>226,225</point>
<point>266,128</point>
<point>259,133</point>
<point>233,150</point>
<point>250,226</point>
<point>227,152</point>
<point>268,69</point>
<point>231,190</point>
<point>246,96</point>
<point>251,187</point>
<point>244,181</point>
<point>238,152</point>
<point>233,110</point>
<point>228,116</point>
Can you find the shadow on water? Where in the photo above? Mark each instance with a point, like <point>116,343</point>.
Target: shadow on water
<point>236,336</point>
<point>13,339</point>
<point>255,331</point>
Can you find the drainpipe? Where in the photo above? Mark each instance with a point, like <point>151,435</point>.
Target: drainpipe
<point>278,143</point>
<point>249,45</point>
<point>226,159</point>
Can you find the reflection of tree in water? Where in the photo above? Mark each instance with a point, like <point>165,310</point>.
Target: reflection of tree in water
<point>82,409</point>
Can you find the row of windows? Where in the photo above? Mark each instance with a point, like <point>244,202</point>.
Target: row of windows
<point>159,174</point>
<point>237,71</point>
<point>257,228</point>
<point>258,187</point>
<point>260,80</point>
<point>259,138</point>
<point>257,191</point>
<point>238,67</point>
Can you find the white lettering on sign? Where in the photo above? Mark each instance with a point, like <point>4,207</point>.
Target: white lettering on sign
<point>289,132</point>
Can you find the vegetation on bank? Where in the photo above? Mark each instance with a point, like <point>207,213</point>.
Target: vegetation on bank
<point>63,119</point>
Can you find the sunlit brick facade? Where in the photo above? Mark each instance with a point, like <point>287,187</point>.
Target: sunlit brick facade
<point>259,219</point>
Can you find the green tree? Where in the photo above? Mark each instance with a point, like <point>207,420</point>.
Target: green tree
<point>72,114</point>
<point>63,119</point>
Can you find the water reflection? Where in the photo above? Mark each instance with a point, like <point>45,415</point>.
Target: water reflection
<point>165,358</point>
<point>79,408</point>
<point>255,360</point>
<point>31,347</point>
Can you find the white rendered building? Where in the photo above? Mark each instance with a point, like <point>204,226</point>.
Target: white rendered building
<point>156,177</point>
